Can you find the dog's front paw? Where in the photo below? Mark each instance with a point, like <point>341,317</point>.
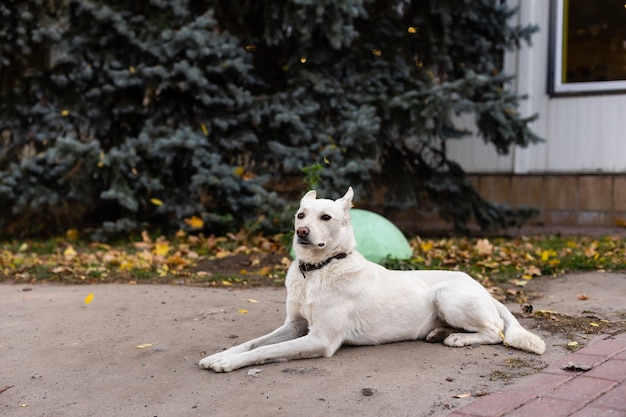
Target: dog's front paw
<point>208,361</point>
<point>219,363</point>
<point>205,363</point>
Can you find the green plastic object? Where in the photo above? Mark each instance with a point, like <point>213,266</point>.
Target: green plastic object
<point>376,237</point>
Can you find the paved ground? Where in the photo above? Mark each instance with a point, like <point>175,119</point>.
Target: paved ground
<point>133,351</point>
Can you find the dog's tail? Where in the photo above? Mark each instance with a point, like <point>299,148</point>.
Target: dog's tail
<point>517,336</point>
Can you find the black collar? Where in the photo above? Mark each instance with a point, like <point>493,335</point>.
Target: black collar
<point>304,267</point>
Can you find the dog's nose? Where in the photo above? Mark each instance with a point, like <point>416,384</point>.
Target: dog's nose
<point>302,232</point>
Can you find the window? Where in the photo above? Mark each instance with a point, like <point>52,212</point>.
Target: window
<point>588,46</point>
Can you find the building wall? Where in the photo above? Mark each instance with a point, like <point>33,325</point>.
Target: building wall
<point>578,176</point>
<point>583,134</point>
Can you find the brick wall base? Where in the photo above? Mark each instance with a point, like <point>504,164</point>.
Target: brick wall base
<point>563,200</point>
<point>576,200</point>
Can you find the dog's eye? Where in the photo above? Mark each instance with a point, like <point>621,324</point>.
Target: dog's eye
<point>300,215</point>
<point>326,217</point>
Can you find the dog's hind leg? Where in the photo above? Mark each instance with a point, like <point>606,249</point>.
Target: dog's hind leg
<point>470,311</point>
<point>478,338</point>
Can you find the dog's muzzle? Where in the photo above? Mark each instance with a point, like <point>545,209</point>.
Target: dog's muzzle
<point>304,235</point>
<point>304,241</point>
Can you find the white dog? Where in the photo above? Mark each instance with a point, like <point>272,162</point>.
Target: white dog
<point>335,296</point>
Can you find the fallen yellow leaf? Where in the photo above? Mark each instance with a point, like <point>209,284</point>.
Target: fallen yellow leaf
<point>265,270</point>
<point>590,251</point>
<point>126,266</point>
<point>594,324</point>
<point>252,300</point>
<point>545,312</point>
<point>426,246</point>
<point>89,298</point>
<point>221,253</point>
<point>161,248</point>
<point>532,270</point>
<point>243,311</point>
<point>145,345</point>
<point>156,202</point>
<point>554,262</point>
<point>69,253</point>
<point>61,270</point>
<point>195,222</point>
<point>227,283</point>
<point>484,247</point>
<point>142,246</point>
<point>572,344</point>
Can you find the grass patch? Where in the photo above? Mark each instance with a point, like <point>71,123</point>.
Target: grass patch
<point>250,259</point>
<point>502,260</point>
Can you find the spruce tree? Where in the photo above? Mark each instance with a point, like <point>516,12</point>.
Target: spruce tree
<point>154,111</point>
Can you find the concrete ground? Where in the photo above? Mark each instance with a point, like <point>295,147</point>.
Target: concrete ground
<point>133,351</point>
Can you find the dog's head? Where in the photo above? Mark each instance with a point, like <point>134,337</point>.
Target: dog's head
<point>322,227</point>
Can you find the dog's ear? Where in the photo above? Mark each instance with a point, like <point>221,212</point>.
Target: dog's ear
<point>346,200</point>
<point>311,195</point>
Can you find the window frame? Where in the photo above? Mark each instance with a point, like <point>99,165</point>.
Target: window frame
<point>556,86</point>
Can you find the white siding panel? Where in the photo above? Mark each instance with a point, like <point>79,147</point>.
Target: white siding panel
<point>532,84</point>
<point>586,134</point>
<point>473,154</point>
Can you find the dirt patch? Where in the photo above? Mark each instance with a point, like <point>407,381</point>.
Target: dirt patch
<point>516,368</point>
<point>262,269</point>
<point>573,308</point>
<point>571,325</point>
